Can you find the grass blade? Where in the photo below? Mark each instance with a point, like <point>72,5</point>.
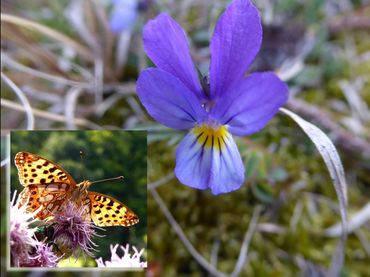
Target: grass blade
<point>82,50</point>
<point>334,165</point>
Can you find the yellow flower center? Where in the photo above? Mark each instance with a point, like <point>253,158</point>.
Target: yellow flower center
<point>209,136</point>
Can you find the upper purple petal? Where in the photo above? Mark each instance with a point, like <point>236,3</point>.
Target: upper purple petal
<point>200,166</point>
<point>168,100</point>
<point>250,105</point>
<point>166,45</point>
<point>235,43</point>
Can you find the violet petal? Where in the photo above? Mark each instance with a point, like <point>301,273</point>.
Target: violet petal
<point>203,165</point>
<point>235,43</point>
<point>123,15</point>
<point>166,45</point>
<point>168,100</point>
<point>250,105</point>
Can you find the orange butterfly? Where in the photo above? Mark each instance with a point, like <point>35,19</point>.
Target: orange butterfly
<point>50,187</point>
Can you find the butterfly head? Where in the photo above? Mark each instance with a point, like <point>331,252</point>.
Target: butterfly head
<point>84,185</point>
<point>81,191</point>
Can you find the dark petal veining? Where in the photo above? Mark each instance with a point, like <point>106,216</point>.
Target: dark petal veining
<point>201,166</point>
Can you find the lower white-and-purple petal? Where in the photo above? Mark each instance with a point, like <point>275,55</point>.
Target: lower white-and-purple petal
<point>209,158</point>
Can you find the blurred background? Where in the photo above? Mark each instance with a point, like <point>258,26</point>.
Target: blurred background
<point>73,65</point>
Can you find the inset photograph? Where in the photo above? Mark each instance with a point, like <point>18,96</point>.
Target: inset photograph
<point>78,199</point>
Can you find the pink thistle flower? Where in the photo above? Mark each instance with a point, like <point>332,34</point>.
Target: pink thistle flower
<point>74,230</point>
<point>43,257</point>
<point>22,237</point>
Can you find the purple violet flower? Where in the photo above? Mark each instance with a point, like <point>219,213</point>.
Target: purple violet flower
<point>232,103</point>
<point>123,15</point>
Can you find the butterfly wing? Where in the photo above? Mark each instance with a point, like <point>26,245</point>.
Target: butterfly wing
<point>33,169</point>
<point>50,198</point>
<point>47,185</point>
<point>107,211</point>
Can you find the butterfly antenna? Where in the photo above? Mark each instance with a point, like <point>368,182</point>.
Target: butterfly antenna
<point>109,179</point>
<point>82,162</point>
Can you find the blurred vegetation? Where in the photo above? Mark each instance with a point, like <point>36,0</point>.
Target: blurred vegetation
<point>106,154</point>
<point>320,47</point>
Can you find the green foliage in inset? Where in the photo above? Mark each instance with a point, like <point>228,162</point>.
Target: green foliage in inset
<point>106,154</point>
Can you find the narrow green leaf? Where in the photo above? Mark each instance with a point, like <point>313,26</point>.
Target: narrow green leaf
<point>263,193</point>
<point>251,165</point>
<point>334,165</point>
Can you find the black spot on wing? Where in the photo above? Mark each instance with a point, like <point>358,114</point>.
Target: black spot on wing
<point>110,203</point>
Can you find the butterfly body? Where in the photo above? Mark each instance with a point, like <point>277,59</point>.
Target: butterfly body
<point>48,188</point>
